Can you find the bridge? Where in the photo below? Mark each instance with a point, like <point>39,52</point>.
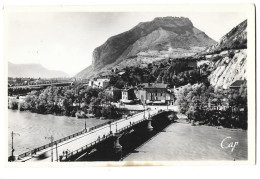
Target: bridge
<point>40,85</point>
<point>56,83</point>
<point>71,148</point>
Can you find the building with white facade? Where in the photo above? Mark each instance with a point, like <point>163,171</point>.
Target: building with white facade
<point>99,83</point>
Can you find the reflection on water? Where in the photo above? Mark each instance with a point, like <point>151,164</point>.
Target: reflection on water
<point>33,128</point>
<point>181,141</point>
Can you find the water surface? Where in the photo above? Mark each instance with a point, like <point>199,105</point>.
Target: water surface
<point>32,128</point>
<point>182,142</point>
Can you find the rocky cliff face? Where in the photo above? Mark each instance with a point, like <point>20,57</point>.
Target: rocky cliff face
<point>171,37</point>
<point>161,34</point>
<point>229,68</point>
<point>229,65</point>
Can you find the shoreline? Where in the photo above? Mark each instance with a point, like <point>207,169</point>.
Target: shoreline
<point>178,120</point>
<point>217,127</point>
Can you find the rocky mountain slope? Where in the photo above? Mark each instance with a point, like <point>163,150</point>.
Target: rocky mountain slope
<point>223,67</point>
<point>235,39</point>
<point>33,71</point>
<point>229,68</point>
<point>229,65</point>
<point>226,60</point>
<point>160,38</point>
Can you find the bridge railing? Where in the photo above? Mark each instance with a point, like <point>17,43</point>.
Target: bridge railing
<point>61,140</point>
<point>101,139</point>
<point>71,136</point>
<point>109,135</point>
<point>89,145</point>
<point>100,125</point>
<point>131,125</point>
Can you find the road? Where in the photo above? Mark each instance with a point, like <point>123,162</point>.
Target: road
<point>139,107</point>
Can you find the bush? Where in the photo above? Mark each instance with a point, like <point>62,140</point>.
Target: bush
<point>22,106</point>
<point>13,105</point>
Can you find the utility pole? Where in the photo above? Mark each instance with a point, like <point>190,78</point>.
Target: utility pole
<point>57,152</point>
<point>12,144</point>
<point>144,111</point>
<point>51,138</point>
<point>110,126</point>
<point>12,151</point>
<point>85,125</point>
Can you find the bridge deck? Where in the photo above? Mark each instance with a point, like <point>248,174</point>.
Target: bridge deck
<point>88,138</point>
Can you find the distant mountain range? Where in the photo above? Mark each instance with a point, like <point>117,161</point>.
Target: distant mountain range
<point>159,38</point>
<point>33,71</point>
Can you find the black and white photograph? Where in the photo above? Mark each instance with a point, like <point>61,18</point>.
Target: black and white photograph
<point>130,86</point>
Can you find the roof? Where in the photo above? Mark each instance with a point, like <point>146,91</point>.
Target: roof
<point>237,83</point>
<point>127,89</point>
<point>155,85</point>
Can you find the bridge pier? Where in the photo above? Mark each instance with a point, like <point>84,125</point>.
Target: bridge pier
<point>149,124</point>
<point>117,148</point>
<point>172,117</point>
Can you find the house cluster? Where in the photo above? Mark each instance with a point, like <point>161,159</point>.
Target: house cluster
<point>103,79</point>
<point>146,93</point>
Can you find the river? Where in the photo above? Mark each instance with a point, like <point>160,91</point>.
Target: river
<point>32,128</point>
<point>183,142</point>
<point>177,142</point>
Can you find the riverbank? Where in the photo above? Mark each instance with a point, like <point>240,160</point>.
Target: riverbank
<point>183,142</point>
<point>226,124</point>
<point>217,127</point>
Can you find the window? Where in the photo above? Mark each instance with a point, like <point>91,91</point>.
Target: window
<point>161,94</point>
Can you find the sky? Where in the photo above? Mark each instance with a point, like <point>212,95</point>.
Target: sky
<point>65,40</point>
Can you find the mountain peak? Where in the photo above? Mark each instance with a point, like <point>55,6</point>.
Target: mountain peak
<point>168,23</point>
<point>162,35</point>
<point>179,21</point>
